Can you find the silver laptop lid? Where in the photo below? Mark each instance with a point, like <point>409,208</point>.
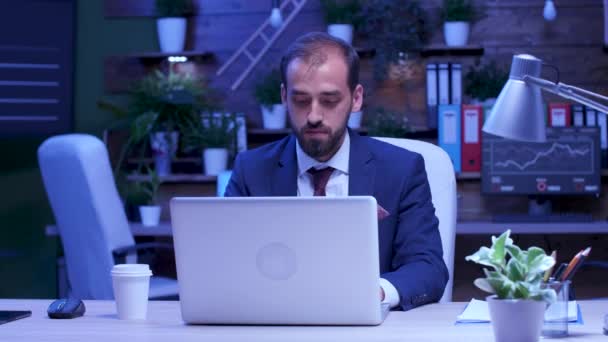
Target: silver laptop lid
<point>277,260</point>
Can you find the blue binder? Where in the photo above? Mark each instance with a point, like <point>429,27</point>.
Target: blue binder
<point>449,117</point>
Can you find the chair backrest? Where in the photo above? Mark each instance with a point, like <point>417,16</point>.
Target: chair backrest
<point>88,211</point>
<point>442,180</point>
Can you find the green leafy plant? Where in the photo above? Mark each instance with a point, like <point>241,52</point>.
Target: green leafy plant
<point>341,11</point>
<point>395,28</point>
<point>213,131</point>
<point>173,8</point>
<point>160,102</point>
<point>384,123</point>
<point>268,90</point>
<point>518,277</point>
<point>147,190</point>
<point>485,82</point>
<point>458,10</point>
<point>164,101</point>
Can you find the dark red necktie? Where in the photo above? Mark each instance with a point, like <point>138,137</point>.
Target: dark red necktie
<point>320,178</point>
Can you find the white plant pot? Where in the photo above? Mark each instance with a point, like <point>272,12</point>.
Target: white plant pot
<point>150,215</point>
<point>274,117</point>
<point>354,120</point>
<point>456,33</point>
<point>164,145</point>
<point>171,34</point>
<point>516,319</point>
<point>215,160</point>
<point>342,31</point>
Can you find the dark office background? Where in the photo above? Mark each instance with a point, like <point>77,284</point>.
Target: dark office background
<point>574,42</point>
<point>24,209</point>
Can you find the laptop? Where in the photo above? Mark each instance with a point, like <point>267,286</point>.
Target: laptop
<point>278,260</point>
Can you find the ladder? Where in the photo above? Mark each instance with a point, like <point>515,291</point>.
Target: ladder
<point>254,59</point>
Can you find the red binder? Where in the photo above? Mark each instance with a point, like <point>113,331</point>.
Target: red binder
<point>559,114</point>
<point>472,119</point>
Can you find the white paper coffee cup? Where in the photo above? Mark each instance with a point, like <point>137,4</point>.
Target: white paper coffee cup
<point>131,283</point>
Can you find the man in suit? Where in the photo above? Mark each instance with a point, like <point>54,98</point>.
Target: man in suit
<point>320,87</point>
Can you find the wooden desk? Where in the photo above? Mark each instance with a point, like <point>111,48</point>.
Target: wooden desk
<point>462,228</point>
<point>428,323</point>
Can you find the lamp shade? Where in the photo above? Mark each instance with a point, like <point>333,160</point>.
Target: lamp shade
<point>518,113</point>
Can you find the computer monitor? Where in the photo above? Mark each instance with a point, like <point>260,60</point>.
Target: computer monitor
<point>568,163</point>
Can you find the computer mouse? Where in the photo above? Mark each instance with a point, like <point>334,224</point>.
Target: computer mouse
<point>66,308</point>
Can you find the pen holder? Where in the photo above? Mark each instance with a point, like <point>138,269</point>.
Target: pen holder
<point>557,314</point>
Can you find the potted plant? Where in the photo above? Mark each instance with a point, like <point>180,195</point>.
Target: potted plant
<point>171,24</point>
<point>341,17</point>
<point>384,123</point>
<point>457,16</point>
<point>214,135</point>
<point>268,94</point>
<point>397,31</point>
<point>518,302</point>
<point>162,104</point>
<point>150,210</point>
<point>483,84</point>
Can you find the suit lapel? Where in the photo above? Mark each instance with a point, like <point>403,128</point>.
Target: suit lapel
<point>284,181</point>
<point>361,167</point>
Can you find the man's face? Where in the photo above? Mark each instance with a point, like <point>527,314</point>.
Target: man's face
<point>319,102</point>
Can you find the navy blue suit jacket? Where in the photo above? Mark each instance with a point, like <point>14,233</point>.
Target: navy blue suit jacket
<point>410,245</point>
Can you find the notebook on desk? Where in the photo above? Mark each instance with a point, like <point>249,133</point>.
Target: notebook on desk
<point>477,311</point>
<point>278,260</point>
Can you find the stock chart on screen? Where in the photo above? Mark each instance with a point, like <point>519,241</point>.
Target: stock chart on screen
<point>567,163</point>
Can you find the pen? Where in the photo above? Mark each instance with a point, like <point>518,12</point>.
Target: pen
<point>559,271</point>
<point>571,269</point>
<point>548,271</point>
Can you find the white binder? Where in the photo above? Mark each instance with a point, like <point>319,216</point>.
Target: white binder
<point>456,83</point>
<point>444,84</point>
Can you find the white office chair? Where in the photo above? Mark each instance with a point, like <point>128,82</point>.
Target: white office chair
<point>442,181</point>
<point>89,215</point>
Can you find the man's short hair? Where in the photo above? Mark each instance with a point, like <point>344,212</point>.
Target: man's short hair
<point>312,45</point>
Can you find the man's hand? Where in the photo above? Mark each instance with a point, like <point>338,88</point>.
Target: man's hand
<point>382,295</point>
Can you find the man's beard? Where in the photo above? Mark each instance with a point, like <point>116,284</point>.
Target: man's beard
<point>316,148</point>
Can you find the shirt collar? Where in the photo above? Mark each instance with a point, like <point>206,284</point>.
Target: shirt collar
<point>339,161</point>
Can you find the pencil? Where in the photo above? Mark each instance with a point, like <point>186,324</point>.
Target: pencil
<point>583,255</point>
<point>548,271</point>
<point>571,265</point>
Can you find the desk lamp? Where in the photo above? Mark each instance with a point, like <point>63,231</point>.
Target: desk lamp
<point>518,112</point>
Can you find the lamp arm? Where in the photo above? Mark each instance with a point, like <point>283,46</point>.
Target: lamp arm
<point>570,92</point>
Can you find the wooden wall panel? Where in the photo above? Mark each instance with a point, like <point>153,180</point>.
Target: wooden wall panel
<point>572,42</point>
<point>228,32</point>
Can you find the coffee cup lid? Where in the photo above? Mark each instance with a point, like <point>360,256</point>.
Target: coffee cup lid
<point>131,270</point>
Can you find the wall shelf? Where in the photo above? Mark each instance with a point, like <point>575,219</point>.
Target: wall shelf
<point>120,71</point>
<point>443,50</point>
<point>435,50</point>
<point>157,57</point>
<point>148,160</point>
<point>175,178</point>
<point>468,176</point>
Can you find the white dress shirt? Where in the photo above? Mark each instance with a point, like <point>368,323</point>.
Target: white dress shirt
<point>336,186</point>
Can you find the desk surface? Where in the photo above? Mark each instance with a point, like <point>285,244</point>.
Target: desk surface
<point>428,323</point>
<point>598,227</point>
